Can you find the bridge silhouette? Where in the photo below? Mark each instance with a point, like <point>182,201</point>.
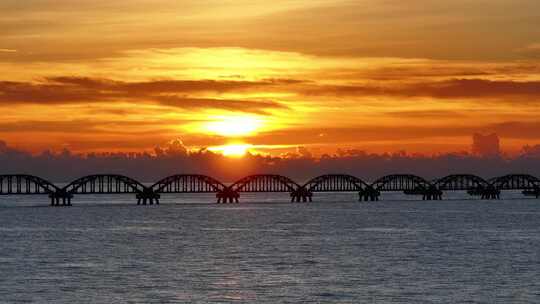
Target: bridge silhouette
<point>22,184</point>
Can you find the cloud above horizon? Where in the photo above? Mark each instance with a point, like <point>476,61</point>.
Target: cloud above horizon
<point>84,90</point>
<point>377,75</point>
<point>458,29</point>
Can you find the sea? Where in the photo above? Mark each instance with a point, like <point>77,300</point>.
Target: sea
<point>188,249</point>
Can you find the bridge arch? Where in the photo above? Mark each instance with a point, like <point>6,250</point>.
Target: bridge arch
<point>188,183</point>
<point>341,183</point>
<point>25,184</point>
<point>335,182</point>
<point>265,183</point>
<point>401,182</point>
<point>104,184</point>
<point>461,182</point>
<point>516,182</point>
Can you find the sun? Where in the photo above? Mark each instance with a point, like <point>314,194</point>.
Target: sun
<point>232,150</point>
<point>234,126</point>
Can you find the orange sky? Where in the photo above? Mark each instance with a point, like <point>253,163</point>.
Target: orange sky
<point>417,75</point>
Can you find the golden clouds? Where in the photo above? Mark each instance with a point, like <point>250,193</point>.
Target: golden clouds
<point>224,96</point>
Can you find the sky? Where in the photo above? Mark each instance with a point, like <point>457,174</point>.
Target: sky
<point>270,78</point>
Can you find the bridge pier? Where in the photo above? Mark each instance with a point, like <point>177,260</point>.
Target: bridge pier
<point>432,196</point>
<point>147,200</point>
<point>489,193</point>
<point>60,199</point>
<point>227,195</point>
<point>66,201</point>
<point>535,192</point>
<point>148,197</point>
<point>491,196</point>
<point>301,195</point>
<point>368,194</point>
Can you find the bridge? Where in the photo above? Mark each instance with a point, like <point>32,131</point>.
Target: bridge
<point>474,185</point>
<point>408,184</point>
<point>341,183</point>
<point>24,184</point>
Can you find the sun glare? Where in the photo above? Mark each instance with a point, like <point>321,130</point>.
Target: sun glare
<point>234,126</point>
<point>232,150</point>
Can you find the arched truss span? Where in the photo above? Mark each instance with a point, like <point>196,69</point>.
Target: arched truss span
<point>188,183</point>
<point>104,184</point>
<point>335,183</point>
<point>25,184</point>
<point>265,183</point>
<point>516,182</point>
<point>461,182</point>
<point>401,182</point>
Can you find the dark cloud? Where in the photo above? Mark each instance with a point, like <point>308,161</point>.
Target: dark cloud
<point>486,145</point>
<point>397,133</point>
<point>516,129</point>
<point>109,127</point>
<point>173,158</point>
<point>426,70</point>
<point>251,106</point>
<point>173,93</point>
<point>187,94</point>
<point>447,89</point>
<point>476,88</point>
<point>166,86</point>
<point>427,114</point>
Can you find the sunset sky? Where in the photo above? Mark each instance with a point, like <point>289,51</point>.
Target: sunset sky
<point>231,75</point>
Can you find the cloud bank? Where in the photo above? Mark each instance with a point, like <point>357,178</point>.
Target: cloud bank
<point>177,159</point>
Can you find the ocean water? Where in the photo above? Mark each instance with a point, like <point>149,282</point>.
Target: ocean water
<point>105,249</point>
